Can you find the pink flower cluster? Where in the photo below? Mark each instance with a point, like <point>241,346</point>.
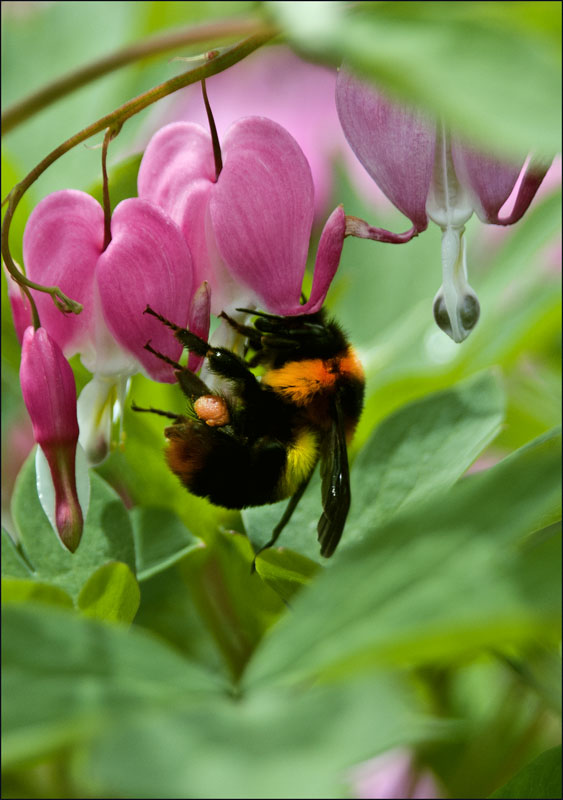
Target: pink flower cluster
<point>192,242</point>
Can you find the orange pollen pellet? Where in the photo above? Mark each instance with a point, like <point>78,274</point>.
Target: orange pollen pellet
<point>212,410</point>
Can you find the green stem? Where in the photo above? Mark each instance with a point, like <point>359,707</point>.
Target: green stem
<point>110,134</point>
<point>22,110</point>
<point>214,65</point>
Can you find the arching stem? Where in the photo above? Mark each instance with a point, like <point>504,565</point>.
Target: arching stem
<point>116,118</point>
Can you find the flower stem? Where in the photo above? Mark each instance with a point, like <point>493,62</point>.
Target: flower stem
<point>114,120</point>
<point>111,133</point>
<point>30,105</point>
<point>213,131</point>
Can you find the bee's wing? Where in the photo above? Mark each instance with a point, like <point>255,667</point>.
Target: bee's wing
<point>335,484</point>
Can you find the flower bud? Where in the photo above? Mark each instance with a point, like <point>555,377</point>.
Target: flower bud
<point>49,393</point>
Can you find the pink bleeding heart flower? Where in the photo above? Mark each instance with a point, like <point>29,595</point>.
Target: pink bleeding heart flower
<point>146,262</point>
<point>249,227</point>
<point>49,393</point>
<point>428,174</point>
<point>273,82</point>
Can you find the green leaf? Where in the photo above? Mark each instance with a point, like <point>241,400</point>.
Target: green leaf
<point>286,572</point>
<point>540,778</point>
<point>107,533</point>
<point>422,448</point>
<point>111,594</point>
<point>63,674</point>
<point>300,534</point>
<point>13,564</point>
<point>161,539</point>
<point>492,70</point>
<point>26,590</point>
<point>451,576</point>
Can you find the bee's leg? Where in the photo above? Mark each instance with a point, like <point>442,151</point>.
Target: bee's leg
<point>249,331</point>
<point>169,414</point>
<point>191,384</point>
<point>186,338</point>
<point>162,356</point>
<point>221,361</point>
<point>228,365</point>
<point>287,514</point>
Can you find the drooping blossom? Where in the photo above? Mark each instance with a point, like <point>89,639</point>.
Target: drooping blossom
<point>49,393</point>
<point>248,228</point>
<point>146,262</point>
<point>429,174</point>
<point>393,775</point>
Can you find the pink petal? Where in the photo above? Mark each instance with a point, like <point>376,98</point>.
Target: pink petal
<point>176,155</point>
<point>21,312</point>
<point>275,83</point>
<point>395,145</point>
<point>262,211</point>
<point>62,242</point>
<point>146,263</point>
<point>491,182</point>
<point>192,215</point>
<point>327,261</point>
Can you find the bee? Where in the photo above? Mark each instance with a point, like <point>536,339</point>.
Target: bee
<point>261,441</point>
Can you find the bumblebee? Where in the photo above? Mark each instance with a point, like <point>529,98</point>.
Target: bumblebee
<point>261,441</point>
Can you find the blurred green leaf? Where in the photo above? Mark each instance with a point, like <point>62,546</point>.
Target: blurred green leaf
<point>235,605</point>
<point>111,594</point>
<point>441,579</point>
<point>64,674</point>
<point>122,180</point>
<point>541,778</point>
<point>12,173</point>
<point>107,534</point>
<point>26,590</point>
<point>169,610</point>
<point>161,539</point>
<point>492,70</point>
<point>122,691</point>
<point>282,744</point>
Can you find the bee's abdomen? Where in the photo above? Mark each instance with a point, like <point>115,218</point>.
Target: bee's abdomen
<point>223,468</point>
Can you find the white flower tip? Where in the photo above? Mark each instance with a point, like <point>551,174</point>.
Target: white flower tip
<point>465,315</point>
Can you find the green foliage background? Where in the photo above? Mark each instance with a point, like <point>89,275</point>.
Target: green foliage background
<point>152,663</point>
